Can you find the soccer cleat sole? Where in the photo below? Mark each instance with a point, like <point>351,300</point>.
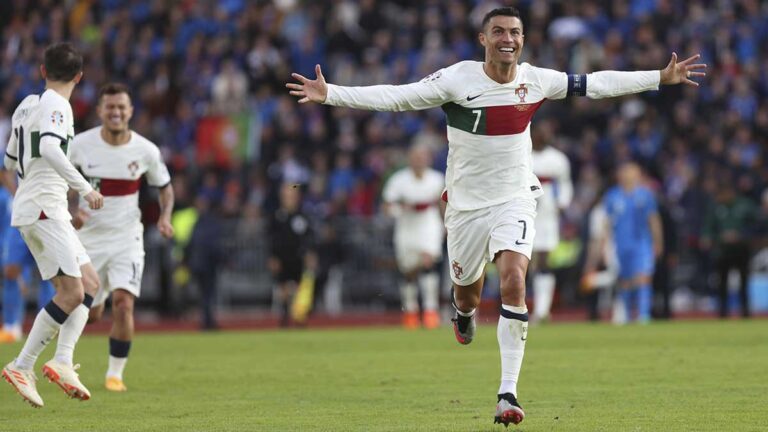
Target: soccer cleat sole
<point>514,416</point>
<point>27,400</point>
<point>71,391</point>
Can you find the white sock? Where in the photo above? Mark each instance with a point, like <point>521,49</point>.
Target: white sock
<point>409,297</point>
<point>543,291</point>
<point>116,367</point>
<point>429,294</point>
<point>43,331</point>
<point>70,333</point>
<point>511,333</point>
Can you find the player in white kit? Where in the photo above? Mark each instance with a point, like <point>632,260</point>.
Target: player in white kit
<point>553,170</point>
<point>43,127</point>
<point>491,189</point>
<point>412,196</point>
<point>114,158</point>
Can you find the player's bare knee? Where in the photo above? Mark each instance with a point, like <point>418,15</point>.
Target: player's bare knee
<point>95,314</point>
<point>71,298</point>
<point>122,305</point>
<point>513,286</point>
<point>11,271</point>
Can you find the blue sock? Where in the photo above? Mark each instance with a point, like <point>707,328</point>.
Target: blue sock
<point>45,294</point>
<point>644,298</point>
<point>13,303</point>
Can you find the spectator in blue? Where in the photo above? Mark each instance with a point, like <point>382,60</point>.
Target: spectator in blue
<point>636,228</point>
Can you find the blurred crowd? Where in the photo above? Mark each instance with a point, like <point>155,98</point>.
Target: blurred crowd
<point>188,60</point>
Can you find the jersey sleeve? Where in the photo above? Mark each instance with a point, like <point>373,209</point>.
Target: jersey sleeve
<point>651,207</point>
<point>434,90</point>
<point>554,84</point>
<point>391,193</point>
<point>596,85</point>
<point>157,171</point>
<point>51,151</point>
<point>55,119</point>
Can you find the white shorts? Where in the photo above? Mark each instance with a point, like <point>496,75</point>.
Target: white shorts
<point>476,236</point>
<point>56,248</point>
<point>547,232</point>
<point>410,244</point>
<point>119,263</point>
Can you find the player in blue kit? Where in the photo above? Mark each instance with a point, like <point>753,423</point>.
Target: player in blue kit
<point>636,229</point>
<point>18,265</point>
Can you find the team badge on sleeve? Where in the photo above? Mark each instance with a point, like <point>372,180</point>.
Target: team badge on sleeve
<point>57,118</point>
<point>432,77</point>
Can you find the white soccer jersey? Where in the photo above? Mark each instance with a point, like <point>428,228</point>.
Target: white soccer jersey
<point>41,188</point>
<point>419,224</point>
<point>116,172</point>
<point>489,157</point>
<point>553,170</point>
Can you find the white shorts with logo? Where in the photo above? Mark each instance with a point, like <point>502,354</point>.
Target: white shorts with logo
<point>476,236</point>
<point>55,247</point>
<point>119,262</point>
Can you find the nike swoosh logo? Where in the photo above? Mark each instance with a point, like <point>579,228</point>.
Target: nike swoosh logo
<point>517,242</point>
<point>470,98</point>
<point>92,166</point>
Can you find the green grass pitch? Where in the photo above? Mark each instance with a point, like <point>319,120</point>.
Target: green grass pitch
<point>679,376</point>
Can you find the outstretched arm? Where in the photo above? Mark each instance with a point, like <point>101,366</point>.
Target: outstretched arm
<point>428,93</point>
<point>605,84</point>
<point>612,83</point>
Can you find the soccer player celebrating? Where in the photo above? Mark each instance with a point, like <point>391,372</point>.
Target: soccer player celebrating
<point>412,195</point>
<point>114,158</point>
<point>42,129</point>
<point>553,170</point>
<point>491,189</point>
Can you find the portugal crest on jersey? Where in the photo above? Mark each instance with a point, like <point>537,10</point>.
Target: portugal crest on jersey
<point>133,167</point>
<point>521,92</point>
<point>457,270</point>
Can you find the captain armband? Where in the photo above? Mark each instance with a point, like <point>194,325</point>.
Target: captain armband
<point>577,85</point>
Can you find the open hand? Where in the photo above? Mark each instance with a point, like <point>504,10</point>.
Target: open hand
<point>309,90</point>
<point>682,72</point>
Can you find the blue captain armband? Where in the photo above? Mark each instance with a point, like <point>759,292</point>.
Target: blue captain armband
<point>577,85</point>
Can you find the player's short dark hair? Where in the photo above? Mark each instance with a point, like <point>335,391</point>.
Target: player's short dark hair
<point>113,88</point>
<point>62,62</point>
<point>502,11</point>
